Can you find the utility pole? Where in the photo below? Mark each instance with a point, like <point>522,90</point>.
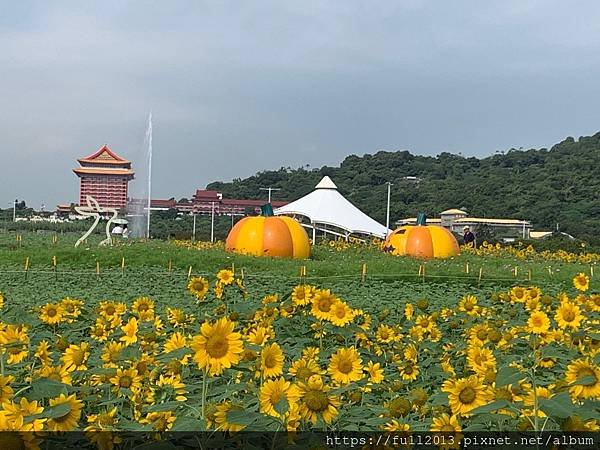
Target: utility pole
<point>15,210</point>
<point>194,228</point>
<point>270,189</point>
<point>212,222</point>
<point>387,215</point>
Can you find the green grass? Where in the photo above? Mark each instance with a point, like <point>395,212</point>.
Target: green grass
<point>325,264</point>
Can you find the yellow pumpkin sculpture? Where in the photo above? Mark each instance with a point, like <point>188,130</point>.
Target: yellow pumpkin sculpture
<point>422,241</point>
<point>275,236</point>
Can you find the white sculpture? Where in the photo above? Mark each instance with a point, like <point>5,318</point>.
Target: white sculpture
<point>93,209</point>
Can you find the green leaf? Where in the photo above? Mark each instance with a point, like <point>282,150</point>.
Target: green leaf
<point>282,406</point>
<point>187,423</point>
<point>45,388</point>
<point>560,405</point>
<point>495,405</point>
<point>175,354</point>
<point>167,406</point>
<point>508,375</point>
<point>60,410</point>
<point>439,399</point>
<point>242,417</point>
<point>587,380</point>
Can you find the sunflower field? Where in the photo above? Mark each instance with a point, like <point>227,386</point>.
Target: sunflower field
<point>224,353</point>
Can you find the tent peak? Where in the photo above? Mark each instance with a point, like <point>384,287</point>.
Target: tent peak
<point>326,183</point>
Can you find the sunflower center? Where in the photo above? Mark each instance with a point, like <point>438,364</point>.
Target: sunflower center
<point>110,310</point>
<point>51,312</point>
<point>408,370</point>
<point>537,321</point>
<point>217,346</point>
<point>276,397</point>
<point>482,335</point>
<point>467,395</point>
<point>568,315</point>
<point>587,372</point>
<point>447,427</point>
<point>143,308</point>
<point>304,373</point>
<point>469,306</point>
<point>142,367</point>
<point>345,366</point>
<point>324,304</point>
<point>125,381</point>
<point>316,400</point>
<point>340,312</point>
<point>270,360</point>
<point>78,356</point>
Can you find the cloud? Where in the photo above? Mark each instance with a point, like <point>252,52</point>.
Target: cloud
<point>237,87</point>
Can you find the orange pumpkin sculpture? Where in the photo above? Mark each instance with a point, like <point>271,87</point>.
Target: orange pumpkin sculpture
<point>422,241</point>
<point>275,236</point>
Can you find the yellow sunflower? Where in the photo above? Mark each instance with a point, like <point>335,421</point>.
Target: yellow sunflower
<point>409,311</point>
<point>218,347</point>
<point>409,371</point>
<point>69,420</point>
<point>538,322</point>
<point>271,361</point>
<point>341,314</point>
<point>345,366</point>
<point>221,417</point>
<point>304,368</point>
<point>198,286</point>
<point>23,409</point>
<point>273,392</point>
<point>385,334</point>
<point>466,394</point>
<point>587,375</point>
<point>160,421</point>
<point>2,298</point>
<point>130,330</point>
<point>445,424</point>
<point>75,356</point>
<point>43,352</point>
<point>322,302</point>
<point>72,307</point>
<point>225,276</point>
<point>56,373</point>
<point>315,401</point>
<point>174,387</point>
<point>6,392</point>
<point>375,372</point>
<point>111,310</point>
<point>260,335</point>
<point>14,341</point>
<point>301,295</point>
<point>52,313</point>
<point>126,379</point>
<point>480,359</point>
<point>519,294</point>
<point>468,305</point>
<point>143,307</point>
<point>111,355</point>
<point>568,315</point>
<point>581,282</point>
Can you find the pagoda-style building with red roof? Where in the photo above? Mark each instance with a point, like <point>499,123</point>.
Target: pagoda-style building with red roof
<point>105,176</point>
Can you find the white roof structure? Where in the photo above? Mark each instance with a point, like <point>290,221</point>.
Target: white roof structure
<point>326,206</point>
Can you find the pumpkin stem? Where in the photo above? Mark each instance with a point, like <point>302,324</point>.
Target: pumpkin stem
<point>421,219</point>
<point>267,210</point>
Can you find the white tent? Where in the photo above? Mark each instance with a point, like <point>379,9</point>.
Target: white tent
<point>325,207</point>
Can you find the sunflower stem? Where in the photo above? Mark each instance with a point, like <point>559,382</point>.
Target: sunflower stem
<point>2,364</point>
<point>204,393</point>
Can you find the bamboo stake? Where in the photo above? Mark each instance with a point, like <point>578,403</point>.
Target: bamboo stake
<point>592,271</point>
<point>363,276</point>
<point>54,264</point>
<point>98,269</point>
<point>170,266</point>
<point>189,272</point>
<point>480,274</point>
<point>550,270</point>
<point>122,266</point>
<point>242,274</point>
<point>233,268</point>
<point>516,271</point>
<point>423,273</point>
<point>467,268</point>
<point>529,275</point>
<point>26,267</point>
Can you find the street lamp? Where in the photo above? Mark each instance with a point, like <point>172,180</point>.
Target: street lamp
<point>387,215</point>
<point>269,189</point>
<point>212,223</point>
<point>15,210</point>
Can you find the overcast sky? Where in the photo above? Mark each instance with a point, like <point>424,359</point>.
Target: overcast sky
<point>241,86</point>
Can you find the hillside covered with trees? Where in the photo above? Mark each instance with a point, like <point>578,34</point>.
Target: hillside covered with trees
<point>548,187</point>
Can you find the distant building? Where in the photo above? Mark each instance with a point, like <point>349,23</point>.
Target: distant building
<point>204,201</point>
<point>456,219</point>
<point>105,176</point>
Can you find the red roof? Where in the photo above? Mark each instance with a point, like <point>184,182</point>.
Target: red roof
<point>158,203</point>
<point>201,193</point>
<point>230,201</point>
<point>106,156</point>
